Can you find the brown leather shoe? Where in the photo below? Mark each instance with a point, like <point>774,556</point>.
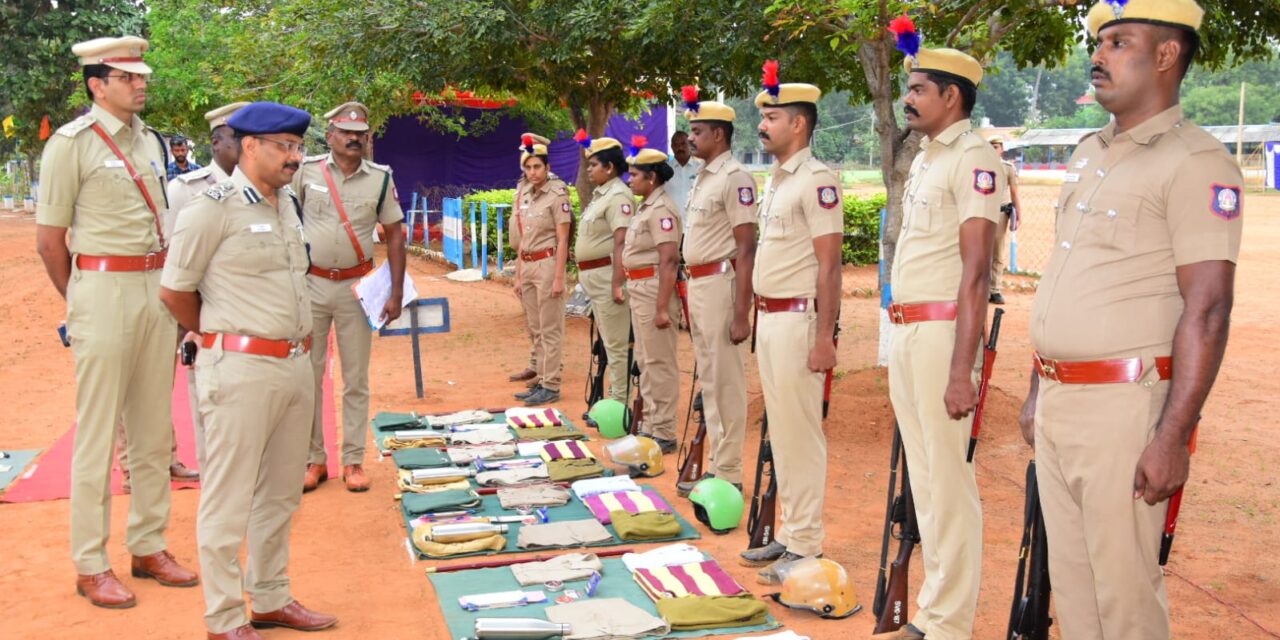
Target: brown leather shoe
<point>353,475</point>
<point>180,472</point>
<point>316,473</point>
<point>105,590</point>
<point>527,374</point>
<point>161,566</point>
<point>242,632</point>
<point>293,616</point>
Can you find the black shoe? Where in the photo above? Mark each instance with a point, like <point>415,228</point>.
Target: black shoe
<point>771,573</point>
<point>525,394</point>
<point>996,299</point>
<point>761,556</point>
<point>667,446</point>
<point>542,396</point>
<point>683,489</point>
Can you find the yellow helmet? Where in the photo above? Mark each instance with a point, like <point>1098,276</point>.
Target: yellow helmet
<point>818,585</point>
<point>642,456</point>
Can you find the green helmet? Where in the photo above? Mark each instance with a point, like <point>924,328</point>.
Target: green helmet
<point>608,416</point>
<point>717,504</point>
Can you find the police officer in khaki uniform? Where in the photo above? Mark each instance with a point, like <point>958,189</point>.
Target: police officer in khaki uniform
<point>602,235</point>
<point>121,337</point>
<point>1011,207</point>
<point>344,197</point>
<point>797,286</point>
<point>1130,323</point>
<point>530,373</point>
<point>543,219</point>
<point>238,278</point>
<point>719,255</point>
<point>951,206</point>
<point>651,256</point>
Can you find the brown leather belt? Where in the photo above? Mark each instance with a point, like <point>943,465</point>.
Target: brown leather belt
<point>1099,371</point>
<point>709,269</point>
<point>640,273</point>
<point>921,312</point>
<point>342,274</point>
<point>538,255</point>
<point>779,305</point>
<point>585,265</point>
<point>149,262</point>
<point>258,346</point>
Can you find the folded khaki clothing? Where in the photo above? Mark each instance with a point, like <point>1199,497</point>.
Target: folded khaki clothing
<point>691,613</point>
<point>417,442</point>
<point>570,533</point>
<point>565,568</point>
<point>508,477</point>
<point>496,434</point>
<point>570,470</point>
<point>473,416</point>
<point>417,504</point>
<point>433,549</point>
<point>466,454</point>
<point>420,458</point>
<point>534,495</point>
<point>407,485</point>
<point>650,525</point>
<point>565,432</point>
<point>606,619</point>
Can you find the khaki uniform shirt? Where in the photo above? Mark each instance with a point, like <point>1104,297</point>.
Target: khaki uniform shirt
<point>85,187</point>
<point>1135,206</point>
<point>955,177</point>
<point>610,209</point>
<point>331,246</point>
<point>247,259</point>
<point>541,210</point>
<point>723,197</point>
<point>187,187</point>
<point>656,221</point>
<point>802,201</point>
<point>1010,181</point>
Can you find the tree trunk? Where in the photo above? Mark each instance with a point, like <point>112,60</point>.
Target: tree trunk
<point>597,118</point>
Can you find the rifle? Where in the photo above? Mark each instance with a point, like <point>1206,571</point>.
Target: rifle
<point>597,365</point>
<point>1175,504</point>
<point>633,417</point>
<point>894,513</point>
<point>691,463</point>
<point>763,514</point>
<point>988,365</point>
<point>893,612</point>
<point>1029,617</point>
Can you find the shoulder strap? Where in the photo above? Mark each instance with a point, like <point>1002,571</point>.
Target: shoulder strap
<point>342,211</point>
<point>382,199</point>
<point>297,206</point>
<point>137,179</point>
<point>164,153</point>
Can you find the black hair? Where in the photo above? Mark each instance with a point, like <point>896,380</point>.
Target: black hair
<point>808,110</point>
<point>968,92</point>
<point>178,141</point>
<point>679,134</point>
<point>1189,42</point>
<point>94,71</point>
<point>661,169</point>
<point>726,127</point>
<point>612,156</point>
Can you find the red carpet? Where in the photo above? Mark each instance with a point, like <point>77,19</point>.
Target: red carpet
<point>50,477</point>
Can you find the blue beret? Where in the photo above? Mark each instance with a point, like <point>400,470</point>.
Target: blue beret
<point>270,117</point>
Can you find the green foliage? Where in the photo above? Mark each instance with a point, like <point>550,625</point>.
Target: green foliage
<point>502,197</point>
<point>862,228</point>
<point>1090,116</point>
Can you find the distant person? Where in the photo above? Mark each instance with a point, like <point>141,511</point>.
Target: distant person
<point>684,169</point>
<point>182,162</point>
<point>1010,209</point>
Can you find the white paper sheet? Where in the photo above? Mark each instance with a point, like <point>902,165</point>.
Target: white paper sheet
<point>374,290</point>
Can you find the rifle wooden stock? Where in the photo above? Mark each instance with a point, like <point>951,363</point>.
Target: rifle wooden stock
<point>894,612</point>
<point>1029,616</point>
<point>761,518</point>
<point>597,365</point>
<point>766,520</point>
<point>691,466</point>
<point>882,580</point>
<point>988,366</point>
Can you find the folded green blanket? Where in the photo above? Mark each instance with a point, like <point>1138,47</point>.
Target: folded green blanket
<point>416,504</point>
<point>420,458</point>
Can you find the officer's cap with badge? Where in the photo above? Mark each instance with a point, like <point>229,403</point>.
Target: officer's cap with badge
<point>260,118</point>
<point>532,144</point>
<point>778,94</point>
<point>639,153</point>
<point>218,117</point>
<point>950,63</point>
<point>349,116</point>
<point>1180,14</point>
<point>705,110</point>
<point>124,53</point>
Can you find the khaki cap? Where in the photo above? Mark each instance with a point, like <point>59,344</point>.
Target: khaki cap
<point>349,116</point>
<point>1183,14</point>
<point>711,111</point>
<point>947,62</point>
<point>218,117</point>
<point>790,93</point>
<point>124,53</point>
<point>600,144</point>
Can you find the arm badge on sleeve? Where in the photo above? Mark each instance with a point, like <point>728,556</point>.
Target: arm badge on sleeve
<point>668,224</point>
<point>984,181</point>
<point>827,197</point>
<point>1226,202</point>
<point>746,196</point>
<point>626,209</point>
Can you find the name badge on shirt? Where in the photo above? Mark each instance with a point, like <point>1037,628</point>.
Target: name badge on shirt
<point>113,164</point>
<point>259,228</point>
<point>1071,177</point>
<point>318,187</point>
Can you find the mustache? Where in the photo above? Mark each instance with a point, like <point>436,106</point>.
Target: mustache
<point>910,110</point>
<point>292,165</point>
<point>355,144</point>
<point>764,136</point>
<point>1100,71</point>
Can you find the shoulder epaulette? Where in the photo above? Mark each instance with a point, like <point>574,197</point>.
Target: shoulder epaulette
<point>289,190</point>
<point>198,174</point>
<point>382,167</point>
<point>558,187</point>
<point>1195,139</point>
<point>73,128</point>
<point>310,159</point>
<point>221,190</point>
<point>1087,136</point>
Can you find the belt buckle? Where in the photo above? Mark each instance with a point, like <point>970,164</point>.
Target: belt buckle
<point>895,314</point>
<point>335,274</point>
<point>297,348</point>
<point>1047,368</point>
<point>149,261</point>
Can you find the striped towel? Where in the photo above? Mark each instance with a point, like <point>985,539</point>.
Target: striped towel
<point>629,501</point>
<point>534,419</point>
<point>566,450</point>
<point>704,578</point>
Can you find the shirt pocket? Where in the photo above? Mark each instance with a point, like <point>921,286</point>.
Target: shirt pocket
<point>777,221</point>
<point>258,252</point>
<point>928,206</point>
<point>1110,221</point>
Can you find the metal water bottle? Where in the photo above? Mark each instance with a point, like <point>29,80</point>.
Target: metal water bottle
<point>519,629</point>
<point>465,531</point>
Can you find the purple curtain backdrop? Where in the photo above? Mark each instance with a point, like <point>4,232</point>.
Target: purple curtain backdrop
<point>422,158</point>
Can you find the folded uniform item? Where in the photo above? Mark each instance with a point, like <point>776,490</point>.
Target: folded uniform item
<point>526,449</point>
<point>602,504</point>
<point>534,495</point>
<point>702,578</point>
<point>407,485</point>
<point>567,450</point>
<point>388,421</point>
<point>565,568</point>
<point>606,618</point>
<point>417,504</point>
<point>473,416</point>
<point>418,440</point>
<point>420,458</point>
<point>692,613</point>
<point>653,525</point>
<point>584,488</point>
<point>489,435</point>
<point>570,470</point>
<point>562,534</point>
<point>466,454</point>
<point>674,553</point>
<point>565,432</point>
<point>422,542</point>
<point>508,477</point>
<point>518,418</point>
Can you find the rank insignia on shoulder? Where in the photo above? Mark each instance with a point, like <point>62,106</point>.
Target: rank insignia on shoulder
<point>1226,202</point>
<point>827,197</point>
<point>668,224</point>
<point>220,191</point>
<point>746,196</point>
<point>626,209</point>
<point>984,181</point>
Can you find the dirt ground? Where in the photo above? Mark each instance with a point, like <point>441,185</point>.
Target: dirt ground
<point>348,553</point>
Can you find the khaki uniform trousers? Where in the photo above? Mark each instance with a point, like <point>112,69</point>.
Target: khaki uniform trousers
<point>546,319</point>
<point>1103,544</point>
<point>614,322</point>
<point>122,339</point>
<point>530,312</point>
<point>943,484</point>
<point>257,415</point>
<point>720,368</point>
<point>793,406</point>
<point>998,252</point>
<point>122,438</point>
<point>656,353</point>
<point>333,303</point>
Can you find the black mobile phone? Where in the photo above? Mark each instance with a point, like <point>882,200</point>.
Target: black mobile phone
<point>188,353</point>
<point>62,335</point>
